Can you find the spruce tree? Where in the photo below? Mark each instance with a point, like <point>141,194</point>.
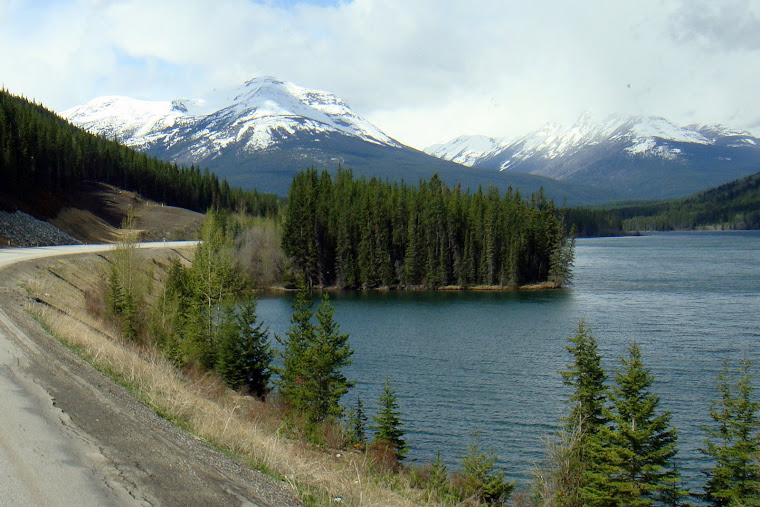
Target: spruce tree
<point>586,377</point>
<point>296,344</point>
<point>439,484</point>
<point>580,475</point>
<point>481,481</point>
<point>311,380</point>
<point>734,442</point>
<point>244,355</point>
<point>330,353</point>
<point>389,436</point>
<point>356,425</point>
<point>642,442</point>
<point>228,363</point>
<point>257,352</point>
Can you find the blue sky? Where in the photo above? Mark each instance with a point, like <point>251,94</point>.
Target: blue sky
<point>424,71</point>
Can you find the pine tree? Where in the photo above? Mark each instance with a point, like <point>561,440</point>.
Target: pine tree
<point>439,484</point>
<point>586,377</point>
<point>244,355</point>
<point>580,473</point>
<point>311,380</point>
<point>295,369</point>
<point>389,436</point>
<point>356,425</point>
<point>329,354</point>
<point>481,481</point>
<point>642,442</point>
<point>734,442</point>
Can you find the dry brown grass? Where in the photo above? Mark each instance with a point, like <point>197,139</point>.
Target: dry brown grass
<point>242,425</point>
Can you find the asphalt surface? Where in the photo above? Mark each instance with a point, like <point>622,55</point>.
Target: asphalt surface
<point>71,436</point>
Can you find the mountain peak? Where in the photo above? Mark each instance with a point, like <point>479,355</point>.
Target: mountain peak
<point>255,115</point>
<point>618,144</point>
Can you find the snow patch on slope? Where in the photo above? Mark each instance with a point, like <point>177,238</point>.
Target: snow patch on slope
<point>466,150</point>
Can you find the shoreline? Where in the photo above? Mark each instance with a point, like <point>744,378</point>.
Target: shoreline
<point>446,288</point>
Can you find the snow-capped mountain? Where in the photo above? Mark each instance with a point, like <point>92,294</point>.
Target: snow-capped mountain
<point>254,117</point>
<point>643,156</point>
<point>467,150</point>
<point>261,134</point>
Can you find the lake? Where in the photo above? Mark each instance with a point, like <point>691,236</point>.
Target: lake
<point>487,363</point>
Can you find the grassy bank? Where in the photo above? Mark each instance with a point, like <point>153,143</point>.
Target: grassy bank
<point>67,298</point>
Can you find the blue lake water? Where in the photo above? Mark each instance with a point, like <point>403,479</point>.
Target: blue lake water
<point>486,362</point>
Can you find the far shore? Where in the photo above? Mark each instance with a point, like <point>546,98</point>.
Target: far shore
<point>447,288</point>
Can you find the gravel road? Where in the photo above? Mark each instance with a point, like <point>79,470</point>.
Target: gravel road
<point>70,436</point>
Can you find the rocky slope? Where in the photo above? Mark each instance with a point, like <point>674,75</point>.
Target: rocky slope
<point>643,156</point>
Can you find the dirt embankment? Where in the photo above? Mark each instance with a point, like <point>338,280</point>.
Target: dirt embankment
<point>90,213</point>
<point>127,452</point>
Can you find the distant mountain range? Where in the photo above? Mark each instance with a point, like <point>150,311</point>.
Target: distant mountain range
<point>643,157</point>
<point>261,134</point>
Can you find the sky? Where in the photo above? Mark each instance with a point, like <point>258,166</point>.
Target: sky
<point>424,71</point>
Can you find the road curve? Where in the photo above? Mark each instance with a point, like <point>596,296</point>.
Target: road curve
<point>70,436</point>
<point>10,256</point>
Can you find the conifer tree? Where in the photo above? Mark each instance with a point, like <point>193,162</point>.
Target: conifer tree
<point>212,279</point>
<point>587,379</point>
<point>329,354</point>
<point>356,425</point>
<point>581,473</point>
<point>388,433</point>
<point>298,339</point>
<point>481,481</point>
<point>245,355</point>
<point>122,299</point>
<point>734,442</point>
<point>311,380</point>
<point>641,440</point>
<point>439,484</point>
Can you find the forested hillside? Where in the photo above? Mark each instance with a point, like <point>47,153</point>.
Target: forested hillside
<point>366,233</point>
<point>735,205</point>
<point>40,152</point>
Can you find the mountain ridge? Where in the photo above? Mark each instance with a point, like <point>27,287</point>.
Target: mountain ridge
<point>260,135</point>
<point>643,156</point>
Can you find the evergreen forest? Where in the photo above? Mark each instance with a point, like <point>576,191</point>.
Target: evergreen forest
<point>356,233</point>
<point>735,205</point>
<point>41,152</point>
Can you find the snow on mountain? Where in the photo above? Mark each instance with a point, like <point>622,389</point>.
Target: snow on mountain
<point>125,118</point>
<point>466,150</point>
<point>558,151</point>
<point>256,116</point>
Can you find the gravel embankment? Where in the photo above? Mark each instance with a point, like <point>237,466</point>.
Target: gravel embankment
<point>25,230</point>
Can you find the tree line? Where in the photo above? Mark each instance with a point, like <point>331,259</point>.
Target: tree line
<point>40,151</point>
<point>734,205</point>
<point>357,233</point>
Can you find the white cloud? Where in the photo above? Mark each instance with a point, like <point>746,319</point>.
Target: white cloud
<point>424,70</point>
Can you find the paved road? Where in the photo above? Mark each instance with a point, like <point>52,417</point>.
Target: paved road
<point>10,256</point>
<point>70,436</point>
